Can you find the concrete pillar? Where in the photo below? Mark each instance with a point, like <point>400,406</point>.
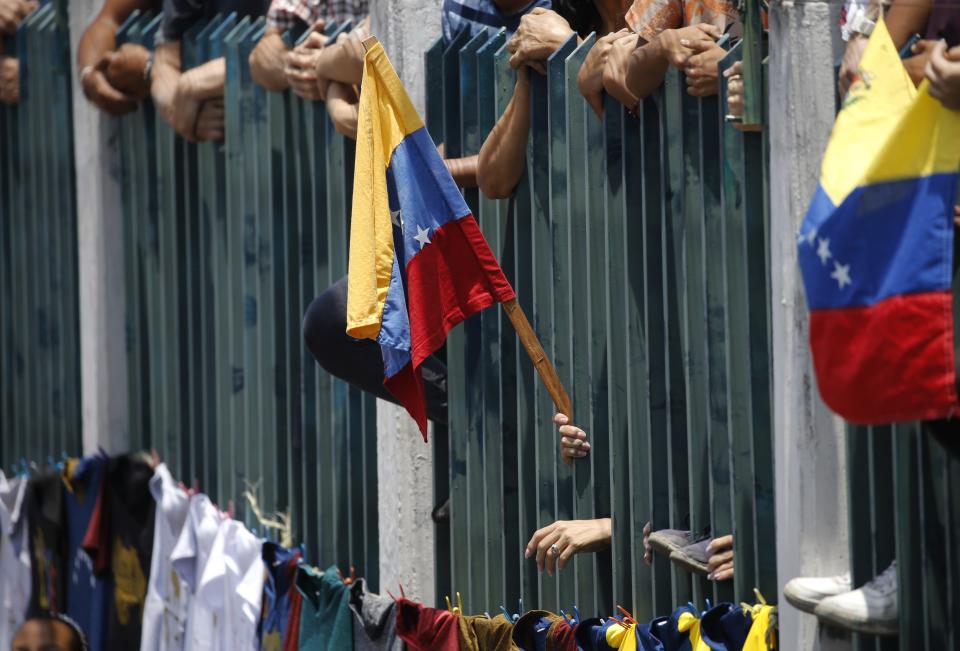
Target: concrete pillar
<point>101,274</point>
<point>809,440</point>
<point>404,462</point>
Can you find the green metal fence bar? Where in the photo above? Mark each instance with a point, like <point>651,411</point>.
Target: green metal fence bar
<point>39,328</point>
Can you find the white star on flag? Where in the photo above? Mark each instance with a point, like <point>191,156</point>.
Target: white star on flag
<point>841,273</point>
<point>397,218</point>
<point>422,236</point>
<point>823,251</point>
<point>811,236</point>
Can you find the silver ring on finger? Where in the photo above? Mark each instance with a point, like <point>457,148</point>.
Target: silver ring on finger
<point>554,550</point>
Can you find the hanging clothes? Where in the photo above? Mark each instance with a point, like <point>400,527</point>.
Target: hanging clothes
<point>427,629</point>
<point>622,637</point>
<point>763,634</point>
<point>482,633</point>
<point>531,631</point>
<point>120,541</point>
<point>278,589</point>
<point>189,560</point>
<point>562,636</point>
<point>86,593</point>
<point>725,627</point>
<point>47,542</point>
<point>689,622</point>
<point>15,574</point>
<point>326,621</point>
<point>231,586</point>
<point>292,640</point>
<point>592,634</point>
<point>168,601</point>
<point>375,620</point>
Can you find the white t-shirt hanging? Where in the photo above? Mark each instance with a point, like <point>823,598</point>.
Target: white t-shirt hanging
<point>189,558</point>
<point>168,599</point>
<point>14,557</point>
<point>232,587</point>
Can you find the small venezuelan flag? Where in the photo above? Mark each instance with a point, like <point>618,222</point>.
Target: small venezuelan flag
<point>876,249</point>
<point>419,264</point>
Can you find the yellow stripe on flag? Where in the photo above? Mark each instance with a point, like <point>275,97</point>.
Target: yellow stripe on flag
<point>873,107</point>
<point>386,116</point>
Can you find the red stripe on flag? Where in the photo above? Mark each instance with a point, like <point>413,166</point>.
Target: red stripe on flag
<point>449,280</point>
<point>407,387</point>
<point>888,362</point>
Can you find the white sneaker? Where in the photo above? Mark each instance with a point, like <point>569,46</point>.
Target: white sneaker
<point>805,592</point>
<point>871,609</point>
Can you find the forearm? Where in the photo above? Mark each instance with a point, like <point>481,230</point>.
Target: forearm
<point>100,36</point>
<point>207,81</point>
<point>166,75</point>
<point>98,39</point>
<point>343,109</point>
<point>463,170</point>
<point>905,18</point>
<point>646,69</point>
<point>266,62</point>
<point>504,152</point>
<point>336,63</point>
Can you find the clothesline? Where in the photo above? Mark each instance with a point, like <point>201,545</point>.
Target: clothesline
<point>139,560</point>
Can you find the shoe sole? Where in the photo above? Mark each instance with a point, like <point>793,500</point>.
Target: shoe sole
<point>805,605</point>
<point>867,627</point>
<point>691,565</point>
<point>662,548</point>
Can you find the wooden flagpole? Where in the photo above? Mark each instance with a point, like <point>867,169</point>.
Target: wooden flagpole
<point>529,340</point>
<point>540,361</point>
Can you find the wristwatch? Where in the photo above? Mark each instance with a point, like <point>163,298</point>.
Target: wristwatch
<point>860,24</point>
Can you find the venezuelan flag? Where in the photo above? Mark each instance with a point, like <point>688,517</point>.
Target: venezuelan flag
<point>876,249</point>
<point>419,264</point>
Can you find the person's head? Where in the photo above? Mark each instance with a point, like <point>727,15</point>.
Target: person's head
<point>49,632</point>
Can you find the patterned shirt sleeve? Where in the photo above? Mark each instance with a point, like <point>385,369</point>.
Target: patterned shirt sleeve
<point>284,14</point>
<point>650,17</point>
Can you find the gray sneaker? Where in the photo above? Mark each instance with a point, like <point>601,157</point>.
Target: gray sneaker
<point>806,592</point>
<point>667,541</point>
<point>871,609</point>
<point>693,558</point>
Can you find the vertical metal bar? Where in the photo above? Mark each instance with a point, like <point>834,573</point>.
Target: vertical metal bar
<point>476,589</point>
<point>562,313</point>
<point>455,348</point>
<point>579,346</point>
<point>501,548</point>
<point>675,313</point>
<point>634,297</point>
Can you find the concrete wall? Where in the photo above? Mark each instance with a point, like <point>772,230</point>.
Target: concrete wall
<point>101,276</point>
<point>809,441</point>
<point>405,463</point>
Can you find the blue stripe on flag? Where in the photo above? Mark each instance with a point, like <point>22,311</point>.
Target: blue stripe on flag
<point>885,239</point>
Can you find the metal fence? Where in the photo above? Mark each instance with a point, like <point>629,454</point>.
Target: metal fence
<point>226,245</point>
<point>39,316</point>
<point>638,246</point>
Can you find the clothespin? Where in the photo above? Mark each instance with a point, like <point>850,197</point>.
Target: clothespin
<point>574,620</point>
<point>456,610</point>
<point>348,580</point>
<point>487,614</point>
<point>626,615</point>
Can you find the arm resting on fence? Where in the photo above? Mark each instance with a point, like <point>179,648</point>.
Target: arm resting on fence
<point>266,61</point>
<point>504,152</point>
<point>343,108</point>
<point>96,56</point>
<point>463,170</point>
